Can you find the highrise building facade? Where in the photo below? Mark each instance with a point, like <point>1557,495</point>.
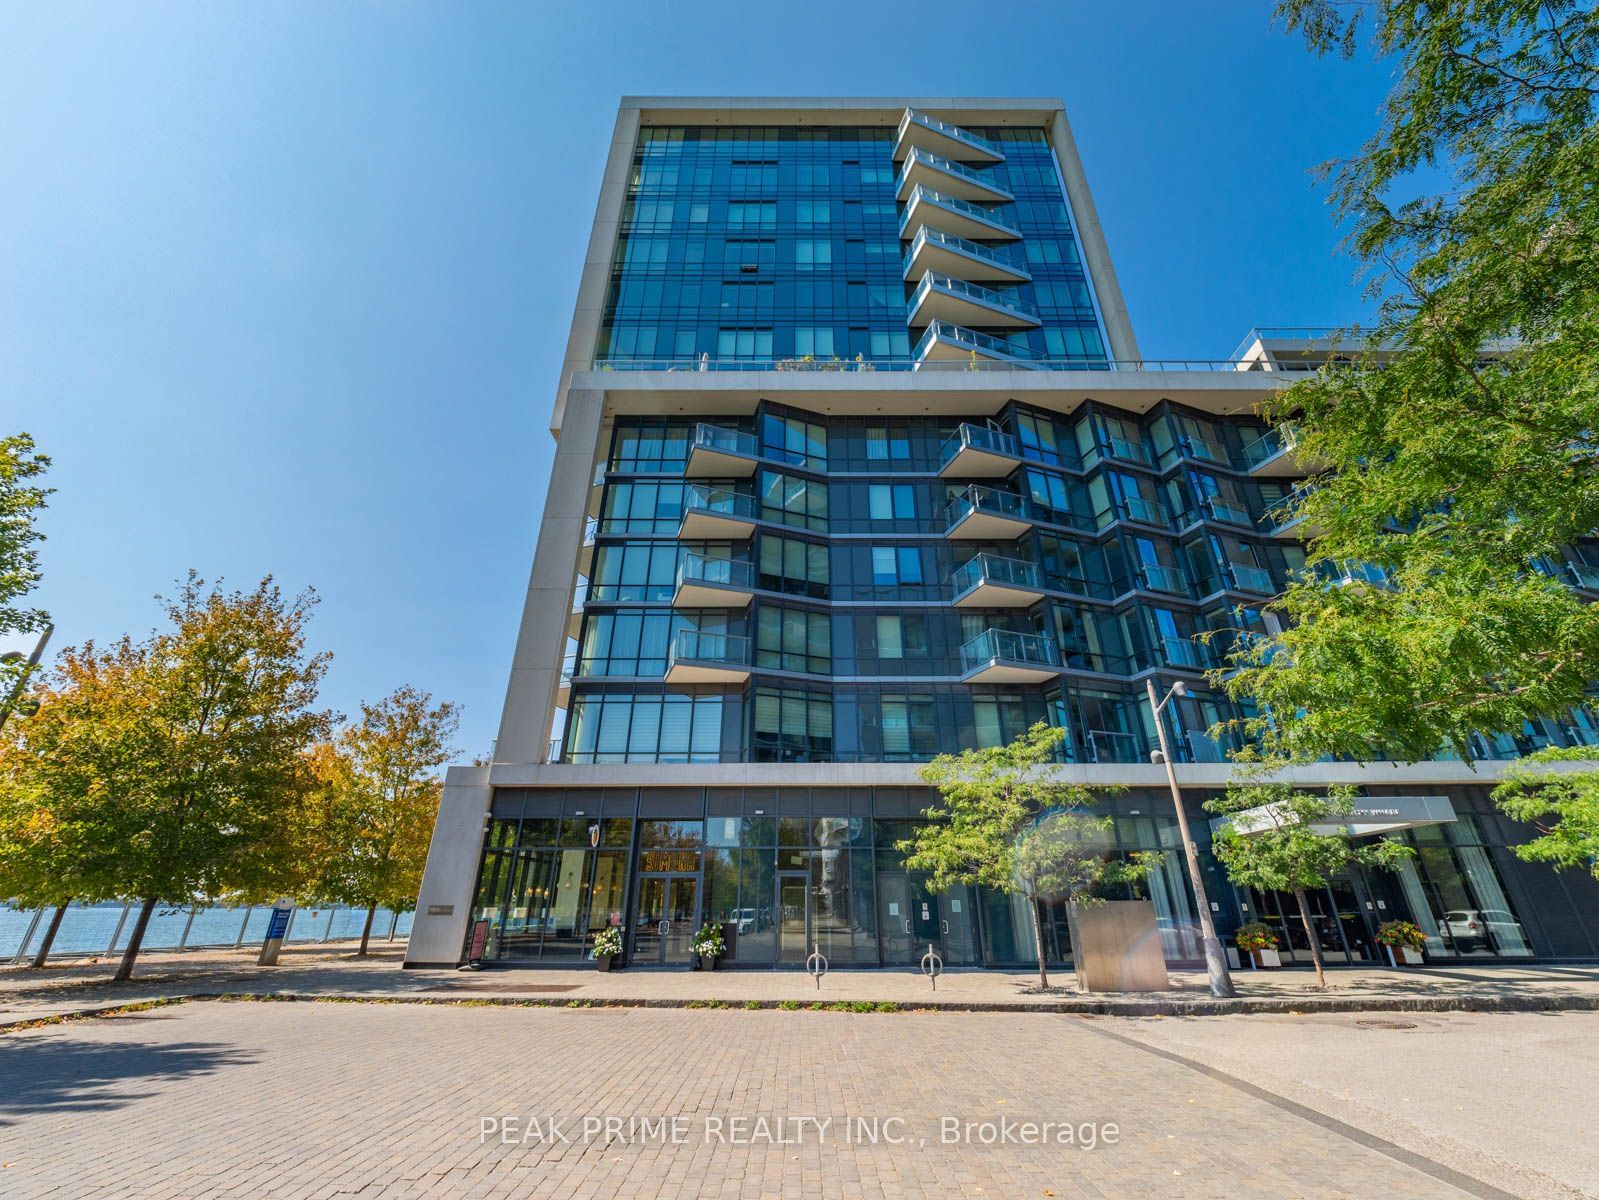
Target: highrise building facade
<point>858,460</point>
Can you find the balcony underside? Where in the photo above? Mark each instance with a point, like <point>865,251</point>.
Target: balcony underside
<point>1295,529</point>
<point>705,463</point>
<point>972,463</point>
<point>936,141</point>
<point>989,594</point>
<point>708,525</point>
<point>952,347</point>
<point>961,187</point>
<point>1006,671</point>
<point>926,211</point>
<point>987,526</point>
<point>690,670</point>
<point>942,259</point>
<point>696,593</point>
<point>934,303</point>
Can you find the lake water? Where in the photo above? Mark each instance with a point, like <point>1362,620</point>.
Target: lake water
<point>88,929</point>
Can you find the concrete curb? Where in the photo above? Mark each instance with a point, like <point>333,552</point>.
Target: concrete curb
<point>1241,1006</point>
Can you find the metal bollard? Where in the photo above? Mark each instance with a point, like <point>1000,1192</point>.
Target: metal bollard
<point>932,965</point>
<point>816,965</point>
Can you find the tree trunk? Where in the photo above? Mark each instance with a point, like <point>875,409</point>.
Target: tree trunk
<point>1310,935</point>
<point>366,930</point>
<point>135,940</point>
<point>50,933</point>
<point>1038,942</point>
<point>1077,943</point>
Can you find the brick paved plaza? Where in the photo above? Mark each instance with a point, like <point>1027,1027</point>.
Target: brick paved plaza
<point>255,1099</point>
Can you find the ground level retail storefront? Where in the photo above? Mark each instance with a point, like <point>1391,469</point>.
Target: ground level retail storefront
<point>783,870</point>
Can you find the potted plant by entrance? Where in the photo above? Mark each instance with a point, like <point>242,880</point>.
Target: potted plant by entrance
<point>607,946</point>
<point>1404,942</point>
<point>708,947</point>
<point>1258,942</point>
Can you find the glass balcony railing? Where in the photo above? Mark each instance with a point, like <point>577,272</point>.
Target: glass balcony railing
<point>955,204</point>
<point>1007,646</point>
<point>972,292</point>
<point>724,441</point>
<point>981,438</point>
<point>1582,575</point>
<point>914,116</point>
<point>719,572</point>
<point>1278,440</point>
<point>1284,514</point>
<point>1248,578</point>
<point>1136,508</point>
<point>928,236</point>
<point>971,342</point>
<point>992,568</point>
<point>1129,451</point>
<point>694,645</point>
<point>1185,653</point>
<point>1205,450</point>
<point>926,158</point>
<point>722,501</point>
<point>1160,578</point>
<point>1345,572</point>
<point>1112,746</point>
<point>1225,510</point>
<point>987,501</point>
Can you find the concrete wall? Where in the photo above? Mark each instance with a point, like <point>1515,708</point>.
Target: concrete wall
<point>443,906</point>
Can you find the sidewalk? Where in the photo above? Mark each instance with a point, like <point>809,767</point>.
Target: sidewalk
<point>334,972</point>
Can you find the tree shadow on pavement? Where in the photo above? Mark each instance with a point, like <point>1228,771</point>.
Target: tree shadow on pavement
<point>53,1074</point>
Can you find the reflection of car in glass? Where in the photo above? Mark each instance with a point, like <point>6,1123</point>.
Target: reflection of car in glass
<point>744,918</point>
<point>1469,928</point>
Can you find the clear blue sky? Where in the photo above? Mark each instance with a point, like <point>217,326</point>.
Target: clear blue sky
<point>283,288</point>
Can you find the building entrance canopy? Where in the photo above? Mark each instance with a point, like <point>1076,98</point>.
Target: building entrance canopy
<point>1371,815</point>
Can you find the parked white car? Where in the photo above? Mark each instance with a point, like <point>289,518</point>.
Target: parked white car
<point>1470,928</point>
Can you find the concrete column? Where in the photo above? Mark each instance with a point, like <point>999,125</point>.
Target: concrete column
<point>444,904</point>
<point>1091,236</point>
<point>541,642</point>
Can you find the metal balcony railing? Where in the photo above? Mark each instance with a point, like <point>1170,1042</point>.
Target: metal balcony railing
<point>949,167</point>
<point>987,500</point>
<point>1006,645</point>
<point>928,236</point>
<point>977,212</point>
<point>992,568</point>
<point>976,141</point>
<point>1012,353</point>
<point>970,291</point>
<point>978,437</point>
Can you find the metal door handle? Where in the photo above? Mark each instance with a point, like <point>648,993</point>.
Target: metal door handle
<point>907,924</point>
<point>666,928</point>
<point>945,924</point>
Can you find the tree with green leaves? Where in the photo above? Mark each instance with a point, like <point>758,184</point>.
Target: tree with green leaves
<point>21,499</point>
<point>1561,803</point>
<point>171,769</point>
<point>1280,839</point>
<point>1459,442</point>
<point>380,785</point>
<point>1006,820</point>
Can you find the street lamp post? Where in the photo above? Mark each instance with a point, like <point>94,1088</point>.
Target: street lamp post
<point>22,680</point>
<point>1221,981</point>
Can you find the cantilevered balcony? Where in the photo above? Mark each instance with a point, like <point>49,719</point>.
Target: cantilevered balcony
<point>934,250</point>
<point>1218,509</point>
<point>924,168</point>
<point>717,453</point>
<point>1136,508</point>
<point>944,342</point>
<point>1158,577</point>
<point>978,452</point>
<point>986,514</point>
<point>944,298</point>
<point>989,581</point>
<point>705,582</point>
<point>713,514</point>
<point>1287,519</point>
<point>698,657</point>
<point>1185,654</point>
<point>1004,656</point>
<point>1248,578</point>
<point>1581,575</point>
<point>917,130</point>
<point>953,215</point>
<point>1275,455</point>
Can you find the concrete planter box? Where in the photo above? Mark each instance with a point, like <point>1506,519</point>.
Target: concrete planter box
<point>1116,947</point>
<point>1265,960</point>
<point>1404,956</point>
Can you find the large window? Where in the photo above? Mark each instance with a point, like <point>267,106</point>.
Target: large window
<point>794,500</point>
<point>891,501</point>
<point>793,566</point>
<point>792,639</point>
<point>894,565</point>
<point>793,725</point>
<point>795,441</point>
<point>623,727</point>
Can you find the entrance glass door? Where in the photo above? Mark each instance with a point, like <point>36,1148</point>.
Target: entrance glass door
<point>894,916</point>
<point>957,924</point>
<point>667,916</point>
<point>793,917</point>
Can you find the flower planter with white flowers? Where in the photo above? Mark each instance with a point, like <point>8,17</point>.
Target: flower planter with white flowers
<point>708,947</point>
<point>607,947</point>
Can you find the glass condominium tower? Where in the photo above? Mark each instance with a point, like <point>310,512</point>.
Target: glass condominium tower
<point>857,461</point>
